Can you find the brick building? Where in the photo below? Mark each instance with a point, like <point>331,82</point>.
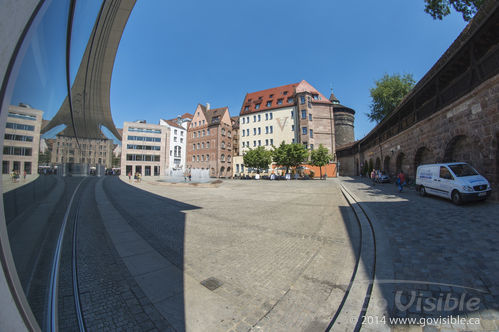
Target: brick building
<point>209,141</point>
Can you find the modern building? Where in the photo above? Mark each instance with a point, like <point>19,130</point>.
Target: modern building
<point>209,142</point>
<point>178,141</point>
<point>90,151</point>
<point>293,113</point>
<point>145,149</point>
<point>22,139</point>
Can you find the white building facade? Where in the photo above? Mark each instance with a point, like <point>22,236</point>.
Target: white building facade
<point>178,141</point>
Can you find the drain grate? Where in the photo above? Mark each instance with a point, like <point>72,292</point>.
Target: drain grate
<point>211,283</point>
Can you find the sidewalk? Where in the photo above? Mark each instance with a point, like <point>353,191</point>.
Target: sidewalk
<point>8,185</point>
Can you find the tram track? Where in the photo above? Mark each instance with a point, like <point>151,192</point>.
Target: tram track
<point>70,220</point>
<point>358,292</point>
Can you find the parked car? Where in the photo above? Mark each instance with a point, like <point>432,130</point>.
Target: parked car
<point>384,178</point>
<point>456,181</point>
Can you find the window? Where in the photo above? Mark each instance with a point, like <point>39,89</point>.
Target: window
<point>207,145</point>
<point>279,101</point>
<point>303,114</point>
<point>181,140</point>
<point>270,116</point>
<point>271,141</point>
<point>311,133</point>
<point>266,142</point>
<point>174,138</point>
<point>292,127</point>
<point>257,106</point>
<point>302,99</point>
<point>310,116</point>
<point>445,173</point>
<point>207,157</point>
<point>21,138</point>
<point>292,114</point>
<point>311,146</point>
<point>304,130</point>
<point>20,126</point>
<point>246,108</point>
<point>202,145</point>
<point>254,143</point>
<point>202,157</point>
<point>175,131</point>
<point>259,142</point>
<point>259,117</point>
<point>254,131</point>
<point>269,103</point>
<point>243,120</point>
<point>266,129</point>
<point>204,132</point>
<point>247,119</point>
<point>195,134</point>
<point>198,146</point>
<point>254,118</point>
<point>197,157</point>
<point>291,100</point>
<point>222,157</point>
<point>223,131</point>
<point>181,133</point>
<point>228,158</point>
<point>194,146</point>
<point>271,129</point>
<point>208,132</point>
<point>272,95</point>
<point>244,132</point>
<point>305,144</point>
<point>316,97</point>
<point>22,116</point>
<point>203,122</point>
<point>266,116</point>
<point>223,145</point>
<point>259,130</point>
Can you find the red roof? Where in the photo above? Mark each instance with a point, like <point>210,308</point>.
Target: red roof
<point>278,97</point>
<point>187,116</point>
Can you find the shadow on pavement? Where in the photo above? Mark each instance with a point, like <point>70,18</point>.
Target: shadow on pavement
<point>161,223</point>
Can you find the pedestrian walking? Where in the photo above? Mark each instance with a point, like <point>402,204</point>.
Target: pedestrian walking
<point>130,176</point>
<point>373,177</point>
<point>401,181</point>
<point>24,175</point>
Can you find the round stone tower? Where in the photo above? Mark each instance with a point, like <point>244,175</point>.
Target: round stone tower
<point>343,122</point>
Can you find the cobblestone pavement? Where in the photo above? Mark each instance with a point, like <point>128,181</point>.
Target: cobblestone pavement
<point>281,252</point>
<point>442,249</point>
<point>110,297</point>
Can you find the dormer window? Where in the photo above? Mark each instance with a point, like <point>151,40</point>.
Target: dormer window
<point>269,103</point>
<point>285,93</point>
<point>246,108</point>
<point>279,101</point>
<point>271,96</point>
<point>257,106</point>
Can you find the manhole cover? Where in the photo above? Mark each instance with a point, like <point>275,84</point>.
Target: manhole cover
<point>211,283</point>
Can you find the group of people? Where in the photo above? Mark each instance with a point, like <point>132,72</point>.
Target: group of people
<point>401,182</point>
<point>14,175</point>
<point>137,177</point>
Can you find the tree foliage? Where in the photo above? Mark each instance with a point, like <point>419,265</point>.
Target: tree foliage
<point>320,157</point>
<point>440,8</point>
<point>388,93</point>
<point>290,155</point>
<point>258,158</point>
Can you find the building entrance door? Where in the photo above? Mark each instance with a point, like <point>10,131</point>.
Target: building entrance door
<point>156,170</point>
<point>147,171</point>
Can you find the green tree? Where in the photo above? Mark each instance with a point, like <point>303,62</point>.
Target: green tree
<point>440,8</point>
<point>388,93</point>
<point>258,158</point>
<point>290,155</point>
<point>320,157</point>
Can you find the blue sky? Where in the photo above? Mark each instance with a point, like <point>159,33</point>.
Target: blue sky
<point>175,54</point>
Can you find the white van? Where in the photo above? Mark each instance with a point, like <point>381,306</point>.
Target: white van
<point>456,181</point>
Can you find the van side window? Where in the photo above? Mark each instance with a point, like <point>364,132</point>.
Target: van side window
<point>445,174</point>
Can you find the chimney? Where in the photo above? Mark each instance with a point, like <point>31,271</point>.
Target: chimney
<point>207,106</point>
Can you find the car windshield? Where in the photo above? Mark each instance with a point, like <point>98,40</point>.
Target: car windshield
<point>461,170</point>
